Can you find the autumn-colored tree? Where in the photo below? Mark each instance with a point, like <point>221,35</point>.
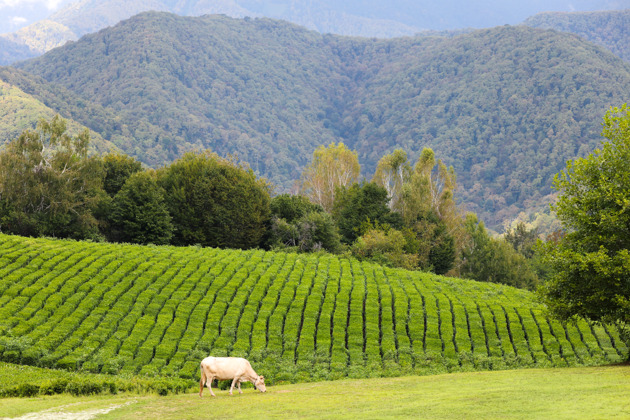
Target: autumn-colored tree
<point>332,167</point>
<point>392,172</point>
<point>431,187</point>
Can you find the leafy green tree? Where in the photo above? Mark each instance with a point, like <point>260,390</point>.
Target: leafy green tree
<point>359,206</point>
<point>428,238</point>
<point>139,212</point>
<point>591,263</point>
<point>523,240</point>
<point>215,202</point>
<point>48,183</point>
<point>118,168</point>
<point>296,222</point>
<point>385,247</point>
<point>292,207</point>
<point>491,260</point>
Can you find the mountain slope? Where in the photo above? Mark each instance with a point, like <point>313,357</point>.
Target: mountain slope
<point>159,310</point>
<point>20,111</point>
<point>505,106</point>
<point>608,29</point>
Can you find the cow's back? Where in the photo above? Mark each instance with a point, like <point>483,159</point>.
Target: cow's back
<point>224,368</point>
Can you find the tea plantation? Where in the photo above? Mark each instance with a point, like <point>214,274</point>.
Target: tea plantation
<point>157,311</point>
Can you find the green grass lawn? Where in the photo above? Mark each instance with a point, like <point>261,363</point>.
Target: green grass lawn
<point>571,393</point>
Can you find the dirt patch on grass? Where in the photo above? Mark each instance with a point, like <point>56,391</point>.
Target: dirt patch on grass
<point>58,413</point>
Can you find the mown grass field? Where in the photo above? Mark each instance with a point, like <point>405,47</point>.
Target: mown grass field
<point>157,311</point>
<point>567,393</point>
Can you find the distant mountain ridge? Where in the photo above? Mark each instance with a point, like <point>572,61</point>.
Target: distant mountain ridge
<point>610,29</point>
<point>88,16</point>
<point>505,106</point>
<point>365,18</point>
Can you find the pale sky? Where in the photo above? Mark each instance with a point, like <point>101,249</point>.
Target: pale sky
<point>14,4</point>
<point>15,14</point>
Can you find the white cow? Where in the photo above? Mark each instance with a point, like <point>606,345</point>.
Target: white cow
<point>224,368</point>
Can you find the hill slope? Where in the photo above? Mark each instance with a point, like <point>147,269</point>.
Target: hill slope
<point>610,29</point>
<point>159,310</point>
<point>505,106</point>
<point>20,111</point>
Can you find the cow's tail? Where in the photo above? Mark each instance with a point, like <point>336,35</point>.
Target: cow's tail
<point>202,381</point>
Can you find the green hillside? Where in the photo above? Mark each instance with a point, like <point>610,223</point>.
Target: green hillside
<point>505,106</point>
<point>20,111</point>
<point>606,28</point>
<point>134,310</point>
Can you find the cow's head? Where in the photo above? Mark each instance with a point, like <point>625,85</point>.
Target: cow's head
<point>260,384</point>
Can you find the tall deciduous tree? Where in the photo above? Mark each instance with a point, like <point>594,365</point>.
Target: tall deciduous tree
<point>392,172</point>
<point>332,167</point>
<point>591,276</point>
<point>431,187</point>
<point>48,183</point>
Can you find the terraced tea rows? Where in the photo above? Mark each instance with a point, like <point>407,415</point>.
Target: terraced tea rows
<point>159,310</point>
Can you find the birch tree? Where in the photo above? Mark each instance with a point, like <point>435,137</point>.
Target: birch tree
<point>392,172</point>
<point>332,167</point>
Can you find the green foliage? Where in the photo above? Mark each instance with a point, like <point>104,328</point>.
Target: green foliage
<point>522,240</point>
<point>118,169</point>
<point>28,381</point>
<point>48,184</point>
<point>359,206</point>
<point>292,207</point>
<point>506,107</point>
<point>592,261</point>
<point>139,212</point>
<point>215,202</point>
<point>492,260</point>
<point>313,231</point>
<point>386,247</point>
<point>605,28</point>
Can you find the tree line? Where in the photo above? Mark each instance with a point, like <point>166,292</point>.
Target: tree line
<point>405,216</point>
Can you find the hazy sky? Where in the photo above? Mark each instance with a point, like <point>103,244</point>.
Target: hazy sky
<point>15,14</point>
<point>18,13</point>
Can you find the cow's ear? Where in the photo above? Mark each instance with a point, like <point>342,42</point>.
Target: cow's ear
<point>262,377</point>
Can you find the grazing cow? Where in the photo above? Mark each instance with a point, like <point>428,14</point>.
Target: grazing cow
<point>224,368</point>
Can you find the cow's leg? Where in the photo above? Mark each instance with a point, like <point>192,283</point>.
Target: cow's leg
<point>202,381</point>
<point>238,384</point>
<point>234,381</point>
<point>209,384</point>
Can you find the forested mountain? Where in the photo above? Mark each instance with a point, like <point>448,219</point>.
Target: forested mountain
<point>352,17</point>
<point>606,28</point>
<point>86,16</point>
<point>20,111</point>
<point>505,106</point>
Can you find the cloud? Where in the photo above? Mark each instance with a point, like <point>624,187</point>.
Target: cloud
<point>18,20</point>
<point>48,4</point>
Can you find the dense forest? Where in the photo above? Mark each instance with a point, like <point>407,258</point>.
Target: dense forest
<point>506,107</point>
<point>606,28</point>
